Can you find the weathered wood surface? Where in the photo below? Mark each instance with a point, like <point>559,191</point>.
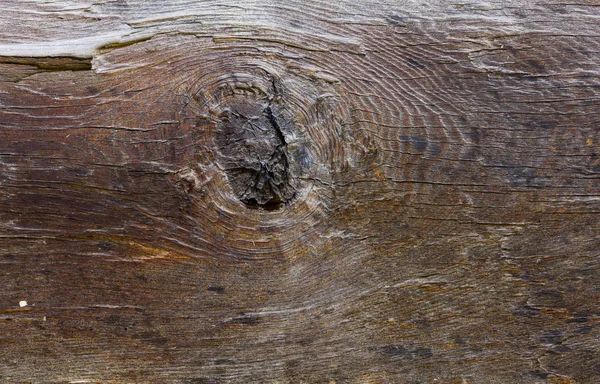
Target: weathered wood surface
<point>299,191</point>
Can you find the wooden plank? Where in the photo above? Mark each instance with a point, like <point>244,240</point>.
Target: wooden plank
<point>233,192</point>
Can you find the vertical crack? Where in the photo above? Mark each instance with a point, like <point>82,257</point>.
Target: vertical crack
<point>274,124</point>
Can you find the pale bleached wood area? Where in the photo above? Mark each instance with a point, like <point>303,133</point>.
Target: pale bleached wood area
<point>330,192</point>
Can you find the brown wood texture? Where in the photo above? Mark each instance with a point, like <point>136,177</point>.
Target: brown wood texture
<point>299,191</point>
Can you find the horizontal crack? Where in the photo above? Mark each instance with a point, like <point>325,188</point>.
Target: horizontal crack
<point>50,63</point>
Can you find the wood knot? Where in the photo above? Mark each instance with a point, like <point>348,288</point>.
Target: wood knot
<point>253,139</point>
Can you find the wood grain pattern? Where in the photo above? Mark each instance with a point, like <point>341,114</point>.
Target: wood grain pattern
<point>299,192</point>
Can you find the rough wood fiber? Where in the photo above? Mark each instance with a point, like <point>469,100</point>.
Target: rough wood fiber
<point>299,192</point>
